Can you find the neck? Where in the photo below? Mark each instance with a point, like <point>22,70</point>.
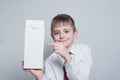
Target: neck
<point>69,47</point>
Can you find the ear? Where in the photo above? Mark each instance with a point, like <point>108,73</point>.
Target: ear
<point>52,36</point>
<point>75,33</point>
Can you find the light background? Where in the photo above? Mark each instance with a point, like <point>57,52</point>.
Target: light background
<point>98,23</point>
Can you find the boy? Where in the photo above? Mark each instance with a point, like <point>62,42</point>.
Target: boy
<point>69,61</point>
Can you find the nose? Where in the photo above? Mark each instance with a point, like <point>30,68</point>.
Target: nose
<point>62,35</point>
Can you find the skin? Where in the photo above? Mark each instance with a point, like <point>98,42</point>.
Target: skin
<point>63,37</point>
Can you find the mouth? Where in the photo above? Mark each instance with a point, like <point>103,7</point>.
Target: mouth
<point>63,40</point>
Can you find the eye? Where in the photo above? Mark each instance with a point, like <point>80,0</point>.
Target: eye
<point>56,33</point>
<point>67,31</point>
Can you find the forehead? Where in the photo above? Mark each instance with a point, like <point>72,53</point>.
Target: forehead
<point>62,27</point>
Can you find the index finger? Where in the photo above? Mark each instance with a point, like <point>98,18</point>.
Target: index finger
<point>51,44</point>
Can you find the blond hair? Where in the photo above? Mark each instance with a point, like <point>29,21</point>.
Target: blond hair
<point>62,19</point>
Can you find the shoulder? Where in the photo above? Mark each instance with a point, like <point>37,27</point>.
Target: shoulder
<point>81,49</point>
<point>80,46</point>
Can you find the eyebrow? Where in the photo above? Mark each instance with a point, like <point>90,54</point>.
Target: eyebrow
<point>59,30</point>
<point>66,29</point>
<point>63,29</point>
<point>55,30</point>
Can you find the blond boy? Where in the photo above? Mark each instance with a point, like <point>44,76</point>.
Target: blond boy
<point>75,58</point>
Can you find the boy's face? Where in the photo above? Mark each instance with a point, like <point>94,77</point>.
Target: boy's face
<point>64,34</point>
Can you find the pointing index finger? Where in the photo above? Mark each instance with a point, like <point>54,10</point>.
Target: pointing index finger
<point>51,44</point>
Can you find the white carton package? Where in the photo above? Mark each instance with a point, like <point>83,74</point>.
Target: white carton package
<point>34,44</point>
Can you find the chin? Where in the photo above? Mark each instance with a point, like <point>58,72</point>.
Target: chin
<point>66,45</point>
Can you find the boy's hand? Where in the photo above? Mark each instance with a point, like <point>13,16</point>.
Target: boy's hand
<point>38,73</point>
<point>60,49</point>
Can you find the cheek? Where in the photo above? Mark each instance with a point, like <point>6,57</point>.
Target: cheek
<point>55,38</point>
<point>71,36</point>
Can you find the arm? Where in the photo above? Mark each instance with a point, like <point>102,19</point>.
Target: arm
<point>41,74</point>
<point>79,67</point>
<point>38,73</point>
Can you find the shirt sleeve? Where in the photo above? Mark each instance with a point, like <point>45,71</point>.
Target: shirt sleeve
<point>48,72</point>
<point>79,67</point>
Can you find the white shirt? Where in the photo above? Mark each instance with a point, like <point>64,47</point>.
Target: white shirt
<point>78,69</point>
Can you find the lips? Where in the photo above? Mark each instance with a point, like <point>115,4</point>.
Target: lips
<point>62,40</point>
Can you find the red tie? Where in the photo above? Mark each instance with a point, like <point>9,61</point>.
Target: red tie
<point>65,76</point>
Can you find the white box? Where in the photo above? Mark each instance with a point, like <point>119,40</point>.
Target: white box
<point>34,44</point>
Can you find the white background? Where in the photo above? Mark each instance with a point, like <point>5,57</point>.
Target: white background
<point>98,23</point>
